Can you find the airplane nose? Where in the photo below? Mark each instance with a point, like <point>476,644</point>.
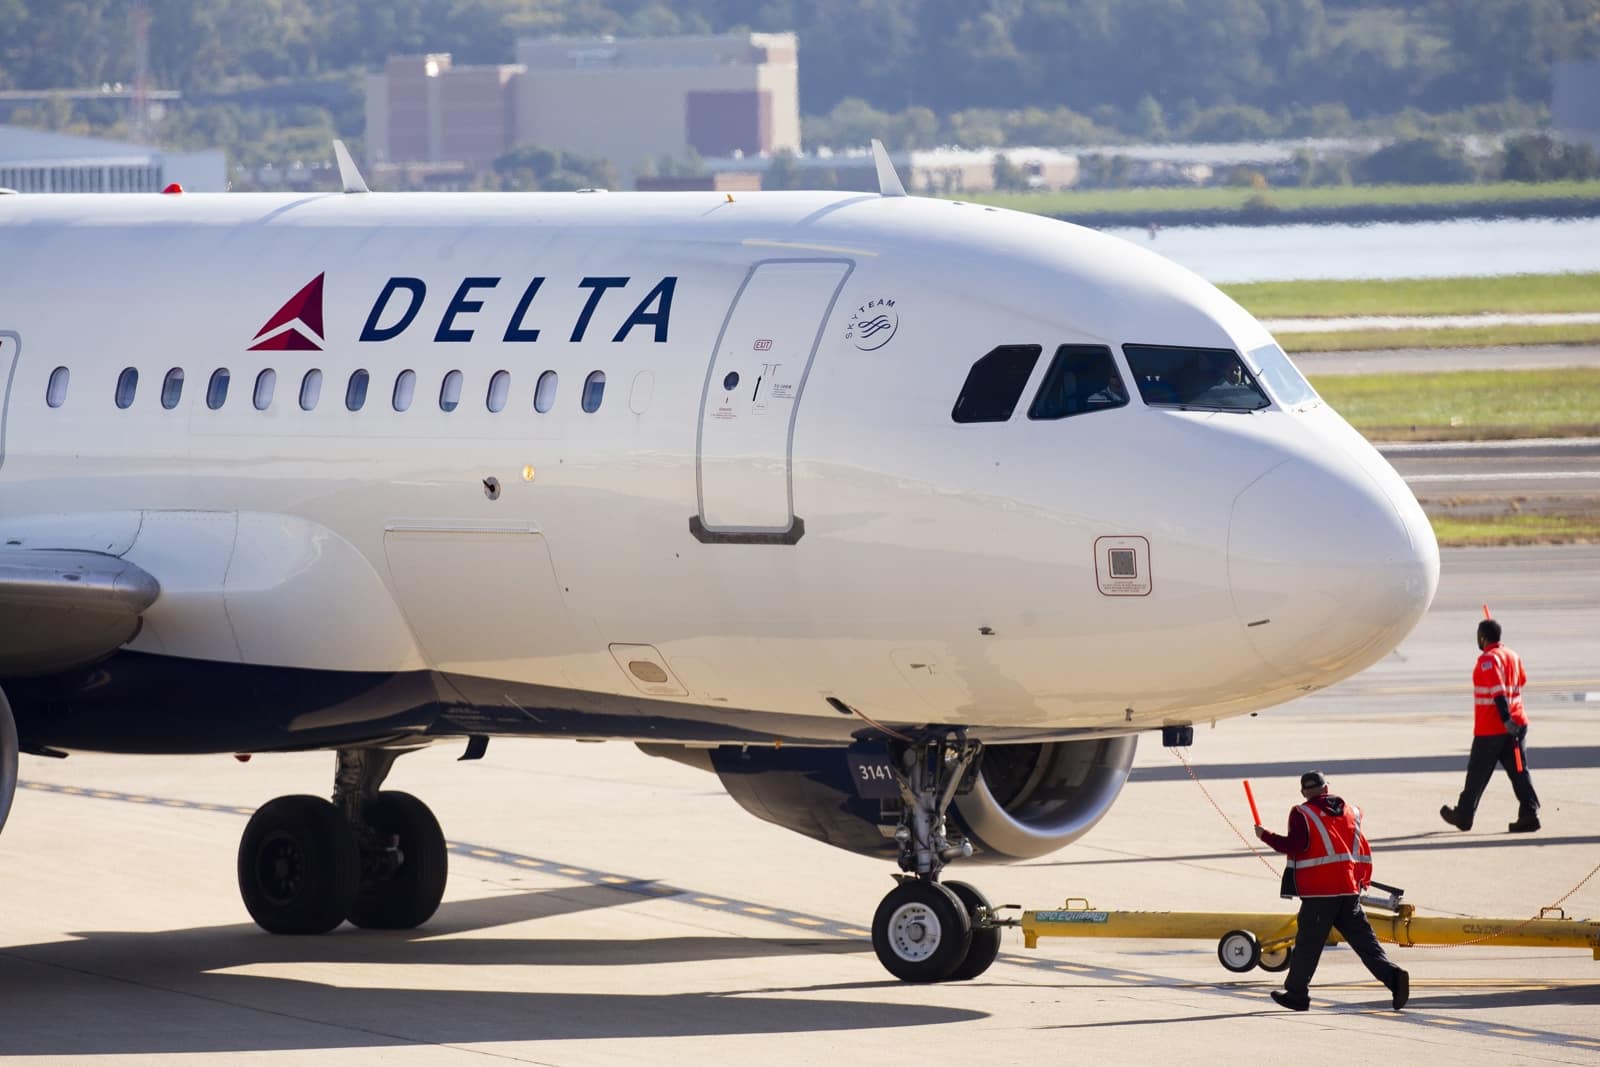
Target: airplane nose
<point>1329,569</point>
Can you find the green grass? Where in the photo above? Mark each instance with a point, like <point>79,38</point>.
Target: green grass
<point>1074,203</point>
<point>1516,293</point>
<point>1468,405</point>
<point>1516,529</point>
<point>1466,337</point>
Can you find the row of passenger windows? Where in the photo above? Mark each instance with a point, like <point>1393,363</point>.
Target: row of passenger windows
<point>1082,379</point>
<point>356,388</point>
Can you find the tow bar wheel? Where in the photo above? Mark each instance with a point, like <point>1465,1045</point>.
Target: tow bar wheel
<point>1275,960</point>
<point>921,932</point>
<point>1239,951</point>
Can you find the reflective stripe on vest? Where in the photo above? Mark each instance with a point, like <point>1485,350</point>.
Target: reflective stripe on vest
<point>1357,863</point>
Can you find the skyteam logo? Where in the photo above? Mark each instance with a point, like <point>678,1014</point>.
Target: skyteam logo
<point>873,324</point>
<point>297,326</point>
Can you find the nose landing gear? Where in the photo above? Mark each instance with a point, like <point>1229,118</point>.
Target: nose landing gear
<point>924,931</point>
<point>375,858</point>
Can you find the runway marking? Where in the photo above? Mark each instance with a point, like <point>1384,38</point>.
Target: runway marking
<point>1502,476</point>
<point>646,887</point>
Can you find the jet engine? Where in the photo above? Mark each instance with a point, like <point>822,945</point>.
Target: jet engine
<point>8,758</point>
<point>1025,801</point>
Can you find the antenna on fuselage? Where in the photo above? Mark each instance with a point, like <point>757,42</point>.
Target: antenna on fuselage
<point>353,182</point>
<point>888,178</point>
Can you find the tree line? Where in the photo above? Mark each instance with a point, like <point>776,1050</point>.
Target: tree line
<point>1371,57</point>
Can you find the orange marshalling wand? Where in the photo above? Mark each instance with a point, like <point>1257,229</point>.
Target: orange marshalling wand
<point>1251,797</point>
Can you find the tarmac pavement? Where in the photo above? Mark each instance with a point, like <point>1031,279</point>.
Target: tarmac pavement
<point>606,907</point>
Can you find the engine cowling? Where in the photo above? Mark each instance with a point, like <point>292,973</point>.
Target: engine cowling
<point>1027,800</point>
<point>8,758</point>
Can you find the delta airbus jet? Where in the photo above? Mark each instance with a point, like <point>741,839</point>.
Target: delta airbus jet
<point>904,517</point>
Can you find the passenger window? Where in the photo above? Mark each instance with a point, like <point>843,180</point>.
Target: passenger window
<point>127,386</point>
<point>172,388</point>
<point>310,389</point>
<point>266,381</point>
<point>450,391</point>
<point>355,394</point>
<point>544,394</point>
<point>405,389</point>
<point>995,384</point>
<point>594,389</point>
<point>1081,379</point>
<point>55,393</point>
<point>1208,379</point>
<point>217,388</point>
<point>499,390</point>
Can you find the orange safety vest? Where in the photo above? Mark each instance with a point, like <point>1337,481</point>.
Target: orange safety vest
<point>1337,861</point>
<point>1498,673</point>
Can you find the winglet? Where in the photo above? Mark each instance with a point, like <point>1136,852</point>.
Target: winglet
<point>348,173</point>
<point>888,180</point>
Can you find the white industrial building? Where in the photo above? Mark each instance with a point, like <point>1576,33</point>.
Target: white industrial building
<point>40,161</point>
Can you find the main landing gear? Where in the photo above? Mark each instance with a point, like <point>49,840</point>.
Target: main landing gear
<point>377,859</point>
<point>925,930</point>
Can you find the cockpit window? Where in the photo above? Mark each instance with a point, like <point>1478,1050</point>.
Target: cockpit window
<point>1281,377</point>
<point>1207,379</point>
<point>1081,379</point>
<point>995,384</point>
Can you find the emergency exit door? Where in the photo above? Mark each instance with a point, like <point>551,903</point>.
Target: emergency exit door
<point>10,346</point>
<point>752,395</point>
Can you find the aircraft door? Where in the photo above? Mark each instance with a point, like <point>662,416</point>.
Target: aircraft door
<point>752,395</point>
<point>10,348</point>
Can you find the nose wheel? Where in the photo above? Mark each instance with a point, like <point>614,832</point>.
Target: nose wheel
<point>925,931</point>
<point>921,931</point>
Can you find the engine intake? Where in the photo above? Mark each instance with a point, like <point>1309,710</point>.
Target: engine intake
<point>1027,800</point>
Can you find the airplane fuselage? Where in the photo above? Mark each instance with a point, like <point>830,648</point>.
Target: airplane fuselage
<point>769,505</point>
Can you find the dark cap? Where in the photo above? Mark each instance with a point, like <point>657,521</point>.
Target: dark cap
<point>1313,780</point>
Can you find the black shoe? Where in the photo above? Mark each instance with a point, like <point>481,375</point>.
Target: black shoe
<point>1283,998</point>
<point>1401,989</point>
<point>1451,816</point>
<point>1525,824</point>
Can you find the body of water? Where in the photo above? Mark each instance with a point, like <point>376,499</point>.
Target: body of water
<point>1223,254</point>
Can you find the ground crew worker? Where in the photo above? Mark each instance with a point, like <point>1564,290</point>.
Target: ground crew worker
<point>1331,863</point>
<point>1499,734</point>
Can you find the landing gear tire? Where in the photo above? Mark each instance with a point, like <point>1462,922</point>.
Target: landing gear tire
<point>299,867</point>
<point>8,758</point>
<point>405,896</point>
<point>1277,960</point>
<point>921,931</point>
<point>985,947</point>
<point>1239,951</point>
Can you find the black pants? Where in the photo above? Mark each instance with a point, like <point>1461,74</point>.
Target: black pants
<point>1486,752</point>
<point>1318,915</point>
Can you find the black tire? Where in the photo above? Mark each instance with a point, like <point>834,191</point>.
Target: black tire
<point>985,947</point>
<point>1239,951</point>
<point>8,758</point>
<point>921,932</point>
<point>298,866</point>
<point>409,897</point>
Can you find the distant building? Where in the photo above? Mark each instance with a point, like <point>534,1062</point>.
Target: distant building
<point>40,161</point>
<point>1575,101</point>
<point>424,109</point>
<point>623,100</point>
<point>937,171</point>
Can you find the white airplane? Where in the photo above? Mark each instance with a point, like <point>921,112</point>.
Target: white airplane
<point>905,517</point>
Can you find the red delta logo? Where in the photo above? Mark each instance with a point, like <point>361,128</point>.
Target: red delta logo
<point>297,326</point>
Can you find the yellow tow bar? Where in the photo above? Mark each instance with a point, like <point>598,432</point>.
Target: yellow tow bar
<point>1246,940</point>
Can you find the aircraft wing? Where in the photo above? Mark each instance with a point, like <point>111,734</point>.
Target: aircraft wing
<point>60,608</point>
